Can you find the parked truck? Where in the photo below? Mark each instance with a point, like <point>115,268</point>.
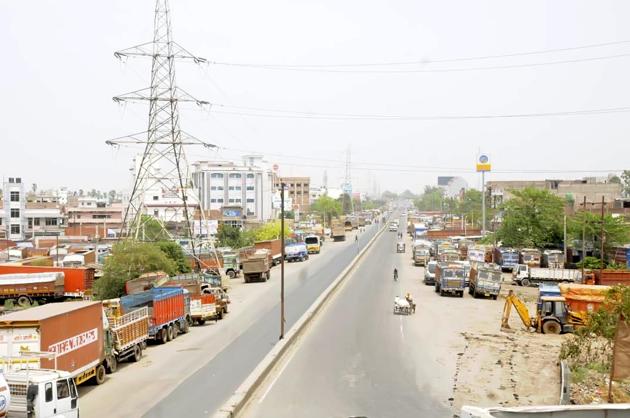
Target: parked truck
<point>295,252</point>
<point>28,287</point>
<point>553,259</point>
<point>450,278</point>
<point>337,231</point>
<point>275,249</point>
<point>524,275</point>
<point>129,331</point>
<point>530,257</point>
<point>76,332</point>
<point>506,258</point>
<point>77,281</point>
<point>480,254</point>
<point>257,267</point>
<point>485,280</point>
<point>421,255</point>
<point>169,311</point>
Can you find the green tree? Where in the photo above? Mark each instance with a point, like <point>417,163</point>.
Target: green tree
<point>346,203</point>
<point>327,208</point>
<point>470,206</point>
<point>616,231</point>
<point>130,259</point>
<point>408,194</point>
<point>269,231</point>
<point>232,236</point>
<point>175,252</point>
<point>153,229</point>
<point>431,199</point>
<point>532,218</point>
<point>625,177</point>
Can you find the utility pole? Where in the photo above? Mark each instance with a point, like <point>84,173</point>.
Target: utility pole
<point>583,236</point>
<point>602,238</point>
<point>483,202</point>
<point>282,186</point>
<point>163,167</point>
<point>565,239</point>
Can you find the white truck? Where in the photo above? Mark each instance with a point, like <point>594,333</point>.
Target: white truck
<point>524,275</point>
<point>38,393</point>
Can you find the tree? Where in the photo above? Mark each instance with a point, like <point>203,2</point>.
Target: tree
<point>34,187</point>
<point>327,208</point>
<point>153,229</point>
<point>346,203</point>
<point>112,195</point>
<point>625,177</point>
<point>269,231</point>
<point>130,259</point>
<point>289,214</point>
<point>175,252</point>
<point>470,206</point>
<point>616,231</point>
<point>407,194</point>
<point>432,199</point>
<point>532,218</point>
<point>387,195</point>
<point>232,236</point>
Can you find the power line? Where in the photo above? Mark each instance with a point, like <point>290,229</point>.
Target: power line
<point>291,114</point>
<point>273,66</point>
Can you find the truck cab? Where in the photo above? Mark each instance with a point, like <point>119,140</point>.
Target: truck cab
<point>313,244</point>
<point>42,393</point>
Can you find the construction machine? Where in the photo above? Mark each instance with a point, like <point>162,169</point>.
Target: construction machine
<point>552,314</point>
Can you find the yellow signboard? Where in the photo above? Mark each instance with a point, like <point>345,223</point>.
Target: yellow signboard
<point>483,167</point>
<point>483,163</point>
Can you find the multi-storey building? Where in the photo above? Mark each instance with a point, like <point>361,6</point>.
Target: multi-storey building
<point>298,190</point>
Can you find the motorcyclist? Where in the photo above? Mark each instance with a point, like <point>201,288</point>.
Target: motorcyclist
<point>409,299</point>
<point>395,273</point>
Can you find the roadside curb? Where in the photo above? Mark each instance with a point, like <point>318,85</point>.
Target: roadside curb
<point>243,394</point>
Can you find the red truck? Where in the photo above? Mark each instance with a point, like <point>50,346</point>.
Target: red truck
<point>275,249</point>
<point>78,281</point>
<point>29,287</point>
<point>169,311</point>
<point>612,277</point>
<point>73,332</point>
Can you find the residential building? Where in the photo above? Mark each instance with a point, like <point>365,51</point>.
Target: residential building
<point>93,218</point>
<point>452,186</point>
<point>20,220</point>
<point>239,191</point>
<point>572,191</point>
<point>316,193</point>
<point>298,190</point>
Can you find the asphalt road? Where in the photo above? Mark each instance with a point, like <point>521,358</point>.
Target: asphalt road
<point>358,358</point>
<point>202,393</point>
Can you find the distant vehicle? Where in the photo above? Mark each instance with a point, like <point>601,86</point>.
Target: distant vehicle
<point>526,276</point>
<point>313,244</point>
<point>506,258</point>
<point>296,252</point>
<point>485,280</point>
<point>400,247</point>
<point>448,255</point>
<point>419,230</point>
<point>429,273</point>
<point>553,259</point>
<point>530,257</point>
<point>393,227</point>
<point>450,278</point>
<point>338,231</point>
<point>257,267</point>
<point>421,255</point>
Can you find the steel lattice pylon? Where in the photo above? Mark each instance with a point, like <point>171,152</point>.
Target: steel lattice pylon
<point>162,167</point>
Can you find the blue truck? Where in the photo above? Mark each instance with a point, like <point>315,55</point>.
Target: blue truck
<point>507,258</point>
<point>296,252</point>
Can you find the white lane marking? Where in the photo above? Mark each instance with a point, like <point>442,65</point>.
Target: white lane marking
<point>402,332</point>
<point>275,379</point>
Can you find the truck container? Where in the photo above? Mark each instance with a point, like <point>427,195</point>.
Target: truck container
<point>485,280</point>
<point>75,332</point>
<point>337,231</point>
<point>582,297</point>
<point>530,256</point>
<point>203,306</point>
<point>274,246</point>
<point>168,310</point>
<point>29,287</point>
<point>450,278</point>
<point>145,282</point>
<point>226,259</point>
<point>612,277</point>
<point>77,281</point>
<point>419,230</point>
<point>313,244</point>
<point>421,255</point>
<point>257,267</point>
<point>296,252</point>
<point>506,258</point>
<point>130,331</point>
<point>448,255</point>
<point>524,275</point>
<point>480,254</point>
<point>553,259</point>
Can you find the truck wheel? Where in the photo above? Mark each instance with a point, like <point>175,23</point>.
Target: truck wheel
<point>170,333</point>
<point>551,327</point>
<point>525,282</point>
<point>99,378</point>
<point>220,314</point>
<point>201,321</point>
<point>137,354</point>
<point>461,294</point>
<point>186,327</point>
<point>231,274</point>
<point>112,365</point>
<point>441,292</point>
<point>163,336</point>
<point>494,297</point>
<point>24,301</point>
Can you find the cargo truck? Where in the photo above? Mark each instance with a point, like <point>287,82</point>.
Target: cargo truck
<point>77,281</point>
<point>480,254</point>
<point>421,255</point>
<point>506,258</point>
<point>75,332</point>
<point>28,287</point>
<point>130,331</point>
<point>257,267</point>
<point>275,249</point>
<point>553,259</point>
<point>295,252</point>
<point>524,275</point>
<point>485,280</point>
<point>168,307</point>
<point>450,278</point>
<point>530,257</point>
<point>203,306</point>
<point>38,393</point>
<point>337,231</point>
<point>313,244</point>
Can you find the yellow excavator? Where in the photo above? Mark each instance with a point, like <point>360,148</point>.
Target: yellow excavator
<point>552,315</point>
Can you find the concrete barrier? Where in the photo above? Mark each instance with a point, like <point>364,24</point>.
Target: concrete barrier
<point>239,399</point>
<point>565,383</point>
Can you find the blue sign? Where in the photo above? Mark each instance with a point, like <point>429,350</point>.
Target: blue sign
<point>232,213</point>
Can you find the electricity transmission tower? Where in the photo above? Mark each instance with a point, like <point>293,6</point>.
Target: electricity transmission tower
<point>347,185</point>
<point>162,169</point>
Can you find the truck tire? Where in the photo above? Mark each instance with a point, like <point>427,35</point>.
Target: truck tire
<point>551,327</point>
<point>99,378</point>
<point>441,292</point>
<point>494,297</point>
<point>525,282</point>
<point>112,365</point>
<point>201,321</point>
<point>231,274</point>
<point>220,314</point>
<point>461,294</point>
<point>169,333</point>
<point>186,327</point>
<point>176,330</point>
<point>137,353</point>
<point>163,336</point>
<point>24,301</point>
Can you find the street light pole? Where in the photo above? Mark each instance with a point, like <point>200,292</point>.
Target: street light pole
<point>282,185</point>
<point>483,202</point>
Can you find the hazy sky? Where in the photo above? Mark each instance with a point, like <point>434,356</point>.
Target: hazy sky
<point>59,74</point>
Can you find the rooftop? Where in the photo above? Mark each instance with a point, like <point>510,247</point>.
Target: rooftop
<point>44,312</point>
